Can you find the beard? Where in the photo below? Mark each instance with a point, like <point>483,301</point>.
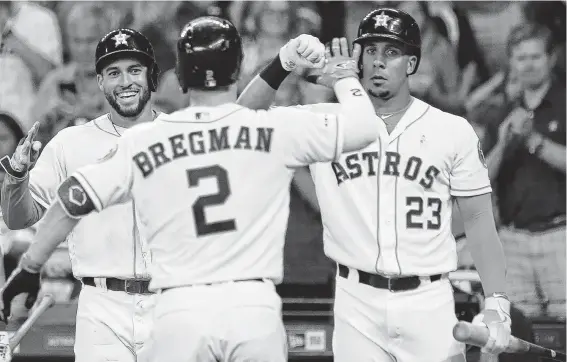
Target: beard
<point>381,94</point>
<point>132,110</point>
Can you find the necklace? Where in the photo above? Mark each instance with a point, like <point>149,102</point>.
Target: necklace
<point>388,115</point>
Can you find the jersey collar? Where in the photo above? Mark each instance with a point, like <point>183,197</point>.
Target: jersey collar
<point>201,114</point>
<point>416,110</point>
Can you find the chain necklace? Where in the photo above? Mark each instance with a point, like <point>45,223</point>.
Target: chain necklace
<point>388,115</point>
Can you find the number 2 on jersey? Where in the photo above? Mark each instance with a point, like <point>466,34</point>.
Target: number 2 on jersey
<point>221,176</point>
<point>416,210</point>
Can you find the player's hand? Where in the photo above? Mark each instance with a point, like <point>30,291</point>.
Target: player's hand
<point>26,154</point>
<point>495,316</point>
<point>20,281</point>
<point>339,63</point>
<point>304,51</point>
<point>516,125</point>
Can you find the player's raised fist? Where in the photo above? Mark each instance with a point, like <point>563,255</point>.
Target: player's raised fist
<point>304,51</point>
<point>25,156</point>
<point>339,63</point>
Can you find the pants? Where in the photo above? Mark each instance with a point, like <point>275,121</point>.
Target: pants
<point>376,325</point>
<point>225,322</point>
<point>536,270</point>
<point>112,326</point>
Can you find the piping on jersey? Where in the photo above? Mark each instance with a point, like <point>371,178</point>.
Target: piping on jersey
<point>378,172</point>
<point>396,208</point>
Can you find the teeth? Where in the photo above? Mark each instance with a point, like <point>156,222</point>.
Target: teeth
<point>127,94</point>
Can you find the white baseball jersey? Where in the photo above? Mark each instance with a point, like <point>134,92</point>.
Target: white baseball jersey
<point>211,186</point>
<point>101,245</point>
<point>387,208</point>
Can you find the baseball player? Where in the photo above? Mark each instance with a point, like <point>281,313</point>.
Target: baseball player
<point>106,251</point>
<point>210,184</point>
<point>387,211</point>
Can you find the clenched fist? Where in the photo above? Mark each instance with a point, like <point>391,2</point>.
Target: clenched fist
<point>304,51</point>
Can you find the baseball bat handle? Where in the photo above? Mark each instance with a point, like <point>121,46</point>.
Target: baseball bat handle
<point>478,336</point>
<point>45,303</point>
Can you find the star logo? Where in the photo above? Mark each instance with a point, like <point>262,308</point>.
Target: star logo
<point>120,38</point>
<point>381,20</point>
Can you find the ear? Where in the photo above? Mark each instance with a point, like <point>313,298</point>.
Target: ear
<point>99,81</point>
<point>412,62</point>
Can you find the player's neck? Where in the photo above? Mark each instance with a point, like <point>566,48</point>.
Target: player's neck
<point>147,115</point>
<point>392,105</point>
<point>212,98</point>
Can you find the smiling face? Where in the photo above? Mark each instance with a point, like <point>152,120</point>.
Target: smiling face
<point>125,86</point>
<point>385,67</point>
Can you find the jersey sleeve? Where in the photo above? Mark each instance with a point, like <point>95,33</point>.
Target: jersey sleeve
<point>48,172</point>
<point>305,136</point>
<point>109,181</point>
<point>469,172</point>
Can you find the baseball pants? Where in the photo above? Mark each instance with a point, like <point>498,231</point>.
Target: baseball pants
<point>224,322</point>
<point>536,270</point>
<point>112,326</point>
<point>377,325</point>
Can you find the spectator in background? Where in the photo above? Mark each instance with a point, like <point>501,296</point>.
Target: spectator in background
<point>527,165</point>
<point>69,94</point>
<point>491,22</point>
<point>438,79</point>
<point>30,46</point>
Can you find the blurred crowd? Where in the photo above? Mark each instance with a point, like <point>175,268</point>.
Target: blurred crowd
<point>483,60</point>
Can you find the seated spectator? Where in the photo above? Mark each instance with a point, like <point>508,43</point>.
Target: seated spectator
<point>438,78</point>
<point>527,167</point>
<point>26,55</point>
<point>69,94</point>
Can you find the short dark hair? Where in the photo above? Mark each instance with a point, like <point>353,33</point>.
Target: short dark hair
<point>525,32</point>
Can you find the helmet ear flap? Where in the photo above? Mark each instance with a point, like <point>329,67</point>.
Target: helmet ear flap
<point>153,78</point>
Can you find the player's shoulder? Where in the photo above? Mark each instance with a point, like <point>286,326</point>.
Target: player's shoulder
<point>74,134</point>
<point>319,107</point>
<point>445,120</point>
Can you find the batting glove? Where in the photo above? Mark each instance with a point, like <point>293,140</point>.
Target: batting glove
<point>495,316</point>
<point>304,51</point>
<point>24,157</point>
<point>339,63</point>
<point>20,281</point>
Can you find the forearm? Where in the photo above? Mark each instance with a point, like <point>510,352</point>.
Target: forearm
<point>261,91</point>
<point>19,208</point>
<point>52,231</point>
<point>483,242</point>
<point>494,160</point>
<point>306,188</point>
<point>552,153</point>
<point>361,125</point>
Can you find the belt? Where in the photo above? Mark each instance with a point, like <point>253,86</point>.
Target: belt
<point>130,286</point>
<point>215,283</point>
<point>392,284</point>
<point>544,225</point>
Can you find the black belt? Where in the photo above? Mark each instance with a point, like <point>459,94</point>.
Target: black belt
<point>392,284</point>
<point>130,286</point>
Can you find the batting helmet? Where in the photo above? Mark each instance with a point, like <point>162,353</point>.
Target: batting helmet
<point>120,43</point>
<point>209,54</point>
<point>393,24</point>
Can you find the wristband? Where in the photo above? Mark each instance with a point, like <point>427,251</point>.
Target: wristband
<point>7,166</point>
<point>274,73</point>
